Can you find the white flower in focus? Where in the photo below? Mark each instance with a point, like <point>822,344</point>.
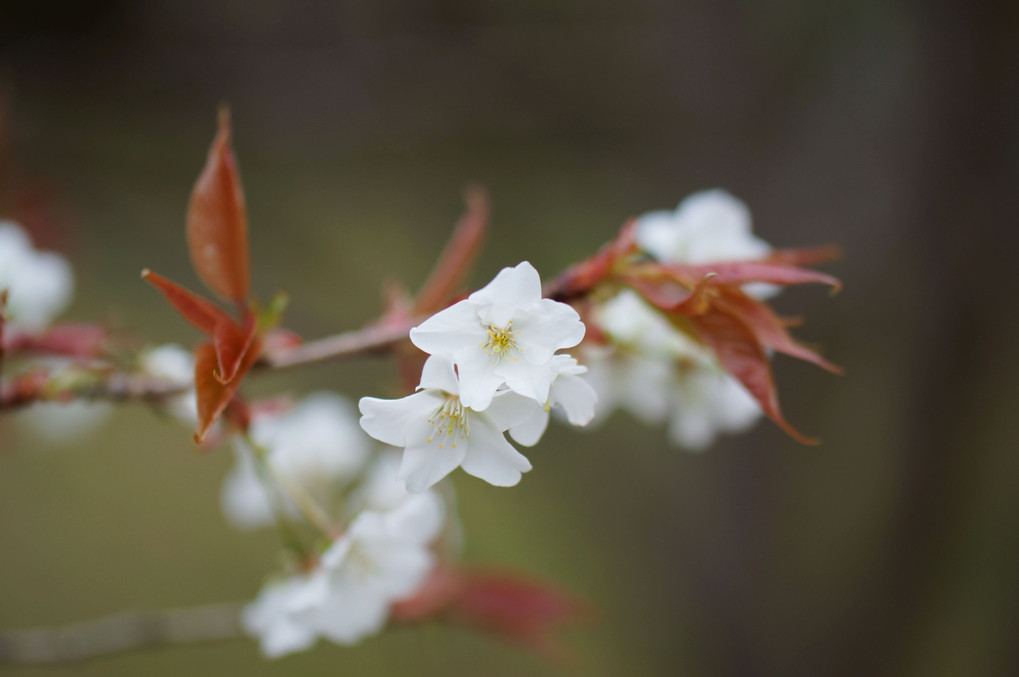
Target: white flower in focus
<point>173,363</point>
<point>316,445</point>
<point>439,432</point>
<point>504,333</point>
<point>39,284</point>
<point>706,227</point>
<point>569,392</point>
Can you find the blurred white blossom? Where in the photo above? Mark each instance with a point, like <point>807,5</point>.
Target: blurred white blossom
<point>381,559</point>
<point>174,363</point>
<point>706,227</point>
<point>39,284</point>
<point>657,372</point>
<point>317,446</point>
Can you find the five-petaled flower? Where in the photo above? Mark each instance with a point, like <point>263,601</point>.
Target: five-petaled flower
<point>439,432</point>
<point>502,334</point>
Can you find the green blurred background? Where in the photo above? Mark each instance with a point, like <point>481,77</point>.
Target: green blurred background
<point>887,127</point>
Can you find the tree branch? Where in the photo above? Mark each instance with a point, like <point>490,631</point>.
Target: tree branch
<point>121,633</point>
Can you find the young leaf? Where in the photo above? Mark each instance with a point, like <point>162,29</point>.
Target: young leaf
<point>744,358</point>
<point>769,329</point>
<point>217,223</point>
<point>740,272</point>
<point>203,315</point>
<point>231,343</point>
<point>212,394</point>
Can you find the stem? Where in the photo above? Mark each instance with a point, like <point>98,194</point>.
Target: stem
<point>121,633</point>
<point>123,387</point>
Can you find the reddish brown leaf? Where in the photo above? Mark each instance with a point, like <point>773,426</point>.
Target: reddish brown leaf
<point>231,342</point>
<point>580,278</point>
<point>457,256</point>
<point>768,327</point>
<point>667,295</point>
<point>741,272</point>
<point>804,256</point>
<point>212,395</point>
<point>202,314</point>
<point>217,223</point>
<point>742,355</point>
<point>514,608</point>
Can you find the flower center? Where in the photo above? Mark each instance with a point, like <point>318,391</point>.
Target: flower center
<point>451,423</point>
<point>501,341</point>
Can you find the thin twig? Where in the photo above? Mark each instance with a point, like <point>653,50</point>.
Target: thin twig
<point>121,633</point>
<point>371,339</point>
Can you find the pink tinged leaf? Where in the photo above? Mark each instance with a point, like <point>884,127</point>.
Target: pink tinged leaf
<point>804,256</point>
<point>582,277</point>
<point>741,272</point>
<point>213,395</point>
<point>458,255</point>
<point>670,296</point>
<point>202,314</point>
<point>231,342</point>
<point>742,355</point>
<point>217,223</point>
<point>514,608</point>
<point>769,328</point>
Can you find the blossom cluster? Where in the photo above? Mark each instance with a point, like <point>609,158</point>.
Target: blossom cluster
<point>493,368</point>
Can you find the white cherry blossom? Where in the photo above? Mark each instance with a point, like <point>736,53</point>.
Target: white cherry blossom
<point>656,373</point>
<point>439,432</point>
<point>39,284</point>
<point>382,558</point>
<point>174,363</point>
<point>706,227</point>
<point>504,333</point>
<point>570,393</point>
<point>316,445</point>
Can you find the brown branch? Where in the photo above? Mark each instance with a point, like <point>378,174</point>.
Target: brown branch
<point>124,387</point>
<point>121,633</point>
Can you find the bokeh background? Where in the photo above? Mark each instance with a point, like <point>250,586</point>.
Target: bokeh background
<point>888,127</point>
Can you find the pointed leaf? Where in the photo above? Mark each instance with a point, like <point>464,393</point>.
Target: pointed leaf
<point>768,327</point>
<point>212,395</point>
<point>457,256</point>
<point>670,297</point>
<point>581,278</point>
<point>231,342</point>
<point>217,222</point>
<point>202,314</point>
<point>741,272</point>
<point>804,256</point>
<point>744,358</point>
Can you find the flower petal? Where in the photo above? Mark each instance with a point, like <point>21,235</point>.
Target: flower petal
<point>512,289</point>
<point>492,458</point>
<point>479,378</point>
<point>390,420</point>
<point>450,330</point>
<point>438,373</point>
<point>576,396</point>
<point>425,464</point>
<point>508,409</point>
<point>530,431</point>
<point>544,328</point>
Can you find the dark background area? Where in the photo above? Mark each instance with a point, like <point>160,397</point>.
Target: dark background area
<point>887,127</point>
